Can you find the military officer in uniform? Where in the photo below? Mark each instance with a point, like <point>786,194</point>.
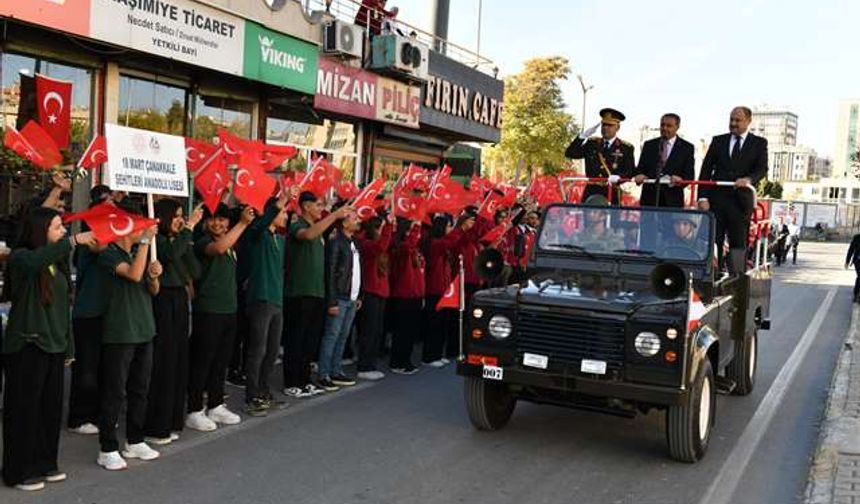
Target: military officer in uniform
<point>606,156</point>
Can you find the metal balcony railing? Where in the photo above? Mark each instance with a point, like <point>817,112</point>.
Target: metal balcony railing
<point>346,10</point>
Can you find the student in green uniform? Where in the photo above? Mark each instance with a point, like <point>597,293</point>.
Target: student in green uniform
<point>129,327</point>
<point>214,323</point>
<point>165,412</point>
<point>87,319</point>
<point>36,345</point>
<point>306,294</point>
<point>264,298</point>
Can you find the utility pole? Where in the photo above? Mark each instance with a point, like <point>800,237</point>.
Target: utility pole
<point>585,90</point>
<point>441,12</point>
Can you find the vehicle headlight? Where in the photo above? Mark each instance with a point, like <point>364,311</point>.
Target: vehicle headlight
<point>477,313</point>
<point>500,326</point>
<point>646,343</point>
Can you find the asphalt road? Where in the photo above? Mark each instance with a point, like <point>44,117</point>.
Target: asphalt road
<point>408,440</point>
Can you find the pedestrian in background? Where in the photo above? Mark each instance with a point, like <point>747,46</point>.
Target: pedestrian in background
<point>853,258</point>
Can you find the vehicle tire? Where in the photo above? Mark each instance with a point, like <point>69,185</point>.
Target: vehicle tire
<point>489,404</point>
<point>688,425</point>
<point>742,368</point>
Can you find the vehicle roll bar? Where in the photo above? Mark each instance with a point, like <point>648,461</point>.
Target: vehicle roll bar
<point>665,180</point>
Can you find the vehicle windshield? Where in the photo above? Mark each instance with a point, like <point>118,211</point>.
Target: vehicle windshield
<point>661,233</point>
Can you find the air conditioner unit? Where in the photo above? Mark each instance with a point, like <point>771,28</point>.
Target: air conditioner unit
<point>400,55</point>
<point>343,38</point>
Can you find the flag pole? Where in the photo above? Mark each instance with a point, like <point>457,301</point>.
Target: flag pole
<point>150,208</point>
<point>462,305</point>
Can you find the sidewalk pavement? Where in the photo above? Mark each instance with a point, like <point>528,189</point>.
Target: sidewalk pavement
<point>834,476</point>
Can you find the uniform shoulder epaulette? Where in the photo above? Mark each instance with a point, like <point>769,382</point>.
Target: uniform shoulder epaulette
<point>595,139</point>
<point>625,142</point>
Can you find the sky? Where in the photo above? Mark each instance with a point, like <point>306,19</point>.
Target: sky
<point>695,58</point>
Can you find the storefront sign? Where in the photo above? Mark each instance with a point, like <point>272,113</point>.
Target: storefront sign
<point>279,59</point>
<point>346,90</point>
<point>145,162</point>
<point>398,103</point>
<point>178,29</point>
<point>463,100</point>
<point>72,16</point>
<point>358,93</point>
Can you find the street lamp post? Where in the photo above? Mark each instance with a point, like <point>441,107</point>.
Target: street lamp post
<point>585,90</point>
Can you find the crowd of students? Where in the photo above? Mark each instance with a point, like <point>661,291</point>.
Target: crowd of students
<point>231,289</point>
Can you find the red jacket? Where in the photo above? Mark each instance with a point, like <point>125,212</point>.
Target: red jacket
<point>469,249</point>
<point>440,267</point>
<point>374,279</point>
<point>407,267</point>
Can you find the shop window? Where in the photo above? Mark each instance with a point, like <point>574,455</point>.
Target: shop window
<point>152,106</point>
<point>212,112</point>
<point>334,139</point>
<point>11,68</point>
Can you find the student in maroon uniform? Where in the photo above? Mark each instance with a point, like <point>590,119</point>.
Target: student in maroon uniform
<point>407,295</point>
<point>445,240</point>
<point>374,284</point>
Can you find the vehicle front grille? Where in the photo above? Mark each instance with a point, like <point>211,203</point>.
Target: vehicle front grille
<point>569,338</point>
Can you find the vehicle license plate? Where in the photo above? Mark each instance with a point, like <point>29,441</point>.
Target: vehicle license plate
<point>593,366</point>
<point>535,360</point>
<point>493,372</point>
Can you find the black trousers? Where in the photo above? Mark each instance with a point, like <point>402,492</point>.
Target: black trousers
<point>733,212</point>
<point>372,317</point>
<point>126,373</point>
<point>237,357</point>
<point>436,333</point>
<point>32,412</point>
<point>166,405</point>
<point>86,372</point>
<point>210,348</point>
<point>857,281</point>
<point>264,336</point>
<point>306,316</point>
<point>406,330</point>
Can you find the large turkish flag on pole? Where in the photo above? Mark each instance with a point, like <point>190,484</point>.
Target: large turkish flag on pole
<point>54,105</point>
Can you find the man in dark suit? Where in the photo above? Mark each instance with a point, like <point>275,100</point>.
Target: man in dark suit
<point>666,156</point>
<point>740,157</point>
<point>606,156</point>
<point>853,257</point>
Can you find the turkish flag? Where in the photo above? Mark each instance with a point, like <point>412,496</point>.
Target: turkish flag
<point>89,213</point>
<point>276,155</point>
<point>414,177</point>
<point>410,207</point>
<point>493,235</point>
<point>233,146</point>
<point>346,190</point>
<point>449,196</point>
<point>212,179</point>
<point>490,205</point>
<point>695,309</point>
<point>451,298</point>
<point>33,144</point>
<point>575,193</point>
<point>545,190</point>
<point>54,105</point>
<point>479,184</point>
<point>197,152</point>
<point>319,179</point>
<point>95,154</point>
<point>509,193</point>
<point>109,223</point>
<point>365,202</point>
<point>252,185</point>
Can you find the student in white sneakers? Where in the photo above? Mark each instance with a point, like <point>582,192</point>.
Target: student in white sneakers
<point>129,326</point>
<point>214,323</point>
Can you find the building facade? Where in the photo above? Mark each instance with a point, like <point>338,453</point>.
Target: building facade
<point>847,138</point>
<point>778,126</point>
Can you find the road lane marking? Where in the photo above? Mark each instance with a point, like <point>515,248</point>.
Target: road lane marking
<point>724,485</point>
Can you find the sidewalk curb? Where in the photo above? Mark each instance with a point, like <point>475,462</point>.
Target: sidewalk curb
<point>840,431</point>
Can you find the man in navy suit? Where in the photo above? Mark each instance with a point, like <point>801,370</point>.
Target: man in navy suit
<point>739,157</point>
<point>667,156</point>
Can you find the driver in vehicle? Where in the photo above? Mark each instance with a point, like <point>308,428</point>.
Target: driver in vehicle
<point>596,236</point>
<point>685,235</point>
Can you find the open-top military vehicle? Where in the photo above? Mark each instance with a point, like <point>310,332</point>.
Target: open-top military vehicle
<point>624,311</point>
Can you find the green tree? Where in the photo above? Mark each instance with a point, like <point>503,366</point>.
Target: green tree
<point>769,189</point>
<point>535,127</point>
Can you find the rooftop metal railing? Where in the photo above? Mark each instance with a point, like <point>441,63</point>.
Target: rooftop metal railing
<point>346,10</point>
